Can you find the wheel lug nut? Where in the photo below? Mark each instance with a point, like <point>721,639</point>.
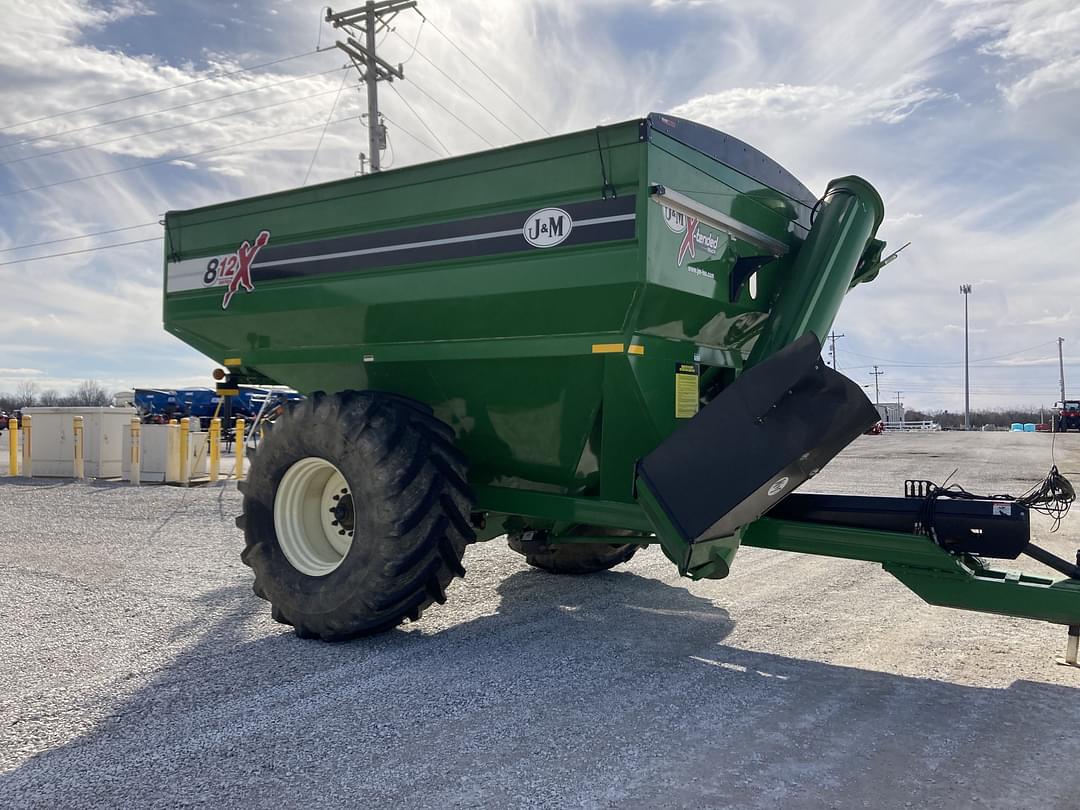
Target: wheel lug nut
<point>344,492</point>
<point>337,497</point>
<point>341,531</point>
<point>334,523</point>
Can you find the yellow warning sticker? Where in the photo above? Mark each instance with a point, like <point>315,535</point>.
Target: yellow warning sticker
<point>686,390</point>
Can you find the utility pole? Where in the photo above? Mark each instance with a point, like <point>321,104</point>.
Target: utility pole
<point>832,337</point>
<point>900,409</point>
<point>877,388</point>
<point>965,290</point>
<point>1061,368</point>
<point>369,20</point>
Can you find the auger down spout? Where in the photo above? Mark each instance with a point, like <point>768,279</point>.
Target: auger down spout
<point>773,428</point>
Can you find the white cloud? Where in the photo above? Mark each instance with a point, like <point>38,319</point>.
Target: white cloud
<point>1060,319</point>
<point>230,171</point>
<point>896,220</point>
<point>20,372</point>
<point>792,105</point>
<point>1042,38</point>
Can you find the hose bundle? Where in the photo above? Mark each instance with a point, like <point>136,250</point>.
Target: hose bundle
<point>1053,497</point>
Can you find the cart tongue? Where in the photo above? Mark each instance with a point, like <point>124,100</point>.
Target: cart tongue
<point>777,425</point>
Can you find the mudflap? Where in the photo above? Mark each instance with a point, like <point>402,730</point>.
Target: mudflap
<point>776,426</point>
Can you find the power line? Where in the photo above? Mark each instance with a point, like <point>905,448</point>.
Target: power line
<point>416,41</point>
<point>170,159</point>
<point>244,111</point>
<point>80,236</point>
<point>954,363</point>
<point>501,89</point>
<point>420,119</point>
<point>959,389</point>
<point>458,85</point>
<point>328,197</point>
<point>170,109</point>
<point>329,115</point>
<point>84,250</point>
<point>212,76</point>
<point>1043,363</point>
<point>420,141</point>
<point>452,114</point>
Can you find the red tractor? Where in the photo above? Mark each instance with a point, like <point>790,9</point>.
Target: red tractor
<point>1068,416</point>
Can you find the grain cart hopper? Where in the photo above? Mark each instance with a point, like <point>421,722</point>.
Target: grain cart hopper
<point>588,343</point>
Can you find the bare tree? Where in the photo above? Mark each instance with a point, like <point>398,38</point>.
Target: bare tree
<point>89,393</point>
<point>49,397</point>
<point>26,394</point>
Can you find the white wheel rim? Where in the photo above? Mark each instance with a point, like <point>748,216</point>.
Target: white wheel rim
<point>313,511</point>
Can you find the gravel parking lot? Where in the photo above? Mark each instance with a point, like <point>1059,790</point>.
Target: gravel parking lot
<point>140,671</point>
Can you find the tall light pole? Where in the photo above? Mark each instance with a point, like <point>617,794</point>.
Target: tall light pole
<point>965,290</point>
<point>900,409</point>
<point>1061,368</point>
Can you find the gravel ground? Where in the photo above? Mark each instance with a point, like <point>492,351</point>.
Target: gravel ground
<point>142,672</point>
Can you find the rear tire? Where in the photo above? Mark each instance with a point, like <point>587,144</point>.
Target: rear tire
<point>573,558</point>
<point>355,514</point>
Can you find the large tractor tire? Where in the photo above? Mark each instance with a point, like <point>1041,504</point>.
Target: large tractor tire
<point>573,558</point>
<point>356,514</point>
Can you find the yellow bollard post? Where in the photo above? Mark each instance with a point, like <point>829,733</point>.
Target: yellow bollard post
<point>238,432</point>
<point>185,455</point>
<point>27,457</point>
<point>172,452</point>
<point>13,446</point>
<point>136,451</point>
<point>214,437</point>
<point>77,438</point>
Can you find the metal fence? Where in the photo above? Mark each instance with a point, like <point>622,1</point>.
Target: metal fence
<point>908,427</point>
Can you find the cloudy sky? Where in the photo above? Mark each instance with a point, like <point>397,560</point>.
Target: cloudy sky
<point>965,114</point>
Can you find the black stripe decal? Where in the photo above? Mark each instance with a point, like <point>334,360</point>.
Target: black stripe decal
<point>315,265</point>
<point>482,236</point>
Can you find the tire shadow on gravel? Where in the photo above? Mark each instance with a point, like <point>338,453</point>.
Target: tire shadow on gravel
<point>608,690</point>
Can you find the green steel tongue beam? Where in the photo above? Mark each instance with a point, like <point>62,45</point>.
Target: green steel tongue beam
<point>938,577</point>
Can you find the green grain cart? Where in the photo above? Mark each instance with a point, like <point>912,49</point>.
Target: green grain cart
<point>589,343</point>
